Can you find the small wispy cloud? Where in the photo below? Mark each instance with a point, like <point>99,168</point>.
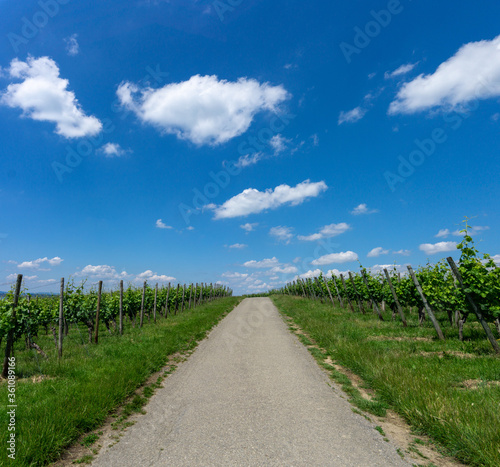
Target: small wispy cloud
<point>161,225</point>
<point>282,233</point>
<point>363,209</point>
<point>113,150</point>
<point>402,70</point>
<point>72,46</point>
<point>237,246</point>
<point>352,116</point>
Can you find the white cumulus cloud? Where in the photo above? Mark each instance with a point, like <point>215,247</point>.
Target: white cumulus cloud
<point>161,225</point>
<point>328,231</point>
<point>249,227</point>
<point>363,209</point>
<point>151,276</point>
<point>37,263</point>
<point>252,201</point>
<point>265,263</point>
<point>377,252</point>
<point>336,258</point>
<point>204,109</point>
<point>472,73</point>
<point>113,150</point>
<point>441,247</point>
<point>43,96</point>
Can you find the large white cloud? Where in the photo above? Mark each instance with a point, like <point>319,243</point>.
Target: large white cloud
<point>204,109</point>
<point>472,73</point>
<point>43,96</point>
<point>336,258</point>
<point>327,231</point>
<point>252,201</point>
<point>441,247</point>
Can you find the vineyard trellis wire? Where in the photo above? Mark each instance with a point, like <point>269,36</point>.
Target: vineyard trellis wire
<point>469,288</point>
<point>24,315</point>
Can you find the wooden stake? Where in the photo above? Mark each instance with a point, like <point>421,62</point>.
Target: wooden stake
<point>375,306</point>
<point>61,319</point>
<point>10,335</point>
<point>426,304</point>
<point>395,296</point>
<point>328,289</point>
<point>142,304</point>
<point>121,308</point>
<point>475,308</point>
<point>154,304</point>
<point>338,293</point>
<point>96,339</point>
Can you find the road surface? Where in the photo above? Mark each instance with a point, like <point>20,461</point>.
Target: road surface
<point>250,395</point>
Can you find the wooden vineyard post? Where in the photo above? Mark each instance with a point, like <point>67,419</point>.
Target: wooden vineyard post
<point>177,300</point>
<point>328,289</point>
<point>303,289</point>
<point>99,293</point>
<point>61,320</point>
<point>121,308</point>
<point>346,293</point>
<point>322,297</point>
<point>426,304</point>
<point>183,295</point>
<point>201,294</point>
<point>141,321</point>
<point>475,308</point>
<point>190,295</point>
<point>10,335</point>
<point>361,307</point>
<point>166,302</point>
<point>195,293</point>
<point>377,309</point>
<point>154,304</point>
<point>395,296</point>
<point>338,293</point>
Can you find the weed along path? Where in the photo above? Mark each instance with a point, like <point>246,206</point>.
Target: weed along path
<point>251,394</point>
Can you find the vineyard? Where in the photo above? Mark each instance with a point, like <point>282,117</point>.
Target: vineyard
<point>443,293</point>
<point>25,317</point>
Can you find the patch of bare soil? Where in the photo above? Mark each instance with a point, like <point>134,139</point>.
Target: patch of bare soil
<point>478,384</point>
<point>448,353</point>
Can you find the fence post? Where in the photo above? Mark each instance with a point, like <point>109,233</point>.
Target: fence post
<point>328,289</point>
<point>142,304</point>
<point>338,293</point>
<point>377,309</point>
<point>154,305</point>
<point>426,304</point>
<point>10,335</point>
<point>361,307</point>
<point>480,318</point>
<point>121,308</point>
<point>395,296</point>
<point>61,319</point>
<point>96,340</point>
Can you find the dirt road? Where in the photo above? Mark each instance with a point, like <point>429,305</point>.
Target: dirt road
<point>250,395</point>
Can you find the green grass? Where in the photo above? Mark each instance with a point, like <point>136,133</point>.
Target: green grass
<point>410,377</point>
<point>80,392</point>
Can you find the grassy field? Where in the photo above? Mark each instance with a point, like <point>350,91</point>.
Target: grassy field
<point>58,402</point>
<point>447,390</point>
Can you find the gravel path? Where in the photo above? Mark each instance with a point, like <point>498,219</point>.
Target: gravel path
<point>250,395</point>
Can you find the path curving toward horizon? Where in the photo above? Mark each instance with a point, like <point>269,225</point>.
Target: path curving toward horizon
<point>250,395</point>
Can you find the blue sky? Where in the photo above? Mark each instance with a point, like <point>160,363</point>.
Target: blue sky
<point>246,142</point>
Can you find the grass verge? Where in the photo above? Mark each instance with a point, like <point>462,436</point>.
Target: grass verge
<point>58,402</point>
<point>421,378</point>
